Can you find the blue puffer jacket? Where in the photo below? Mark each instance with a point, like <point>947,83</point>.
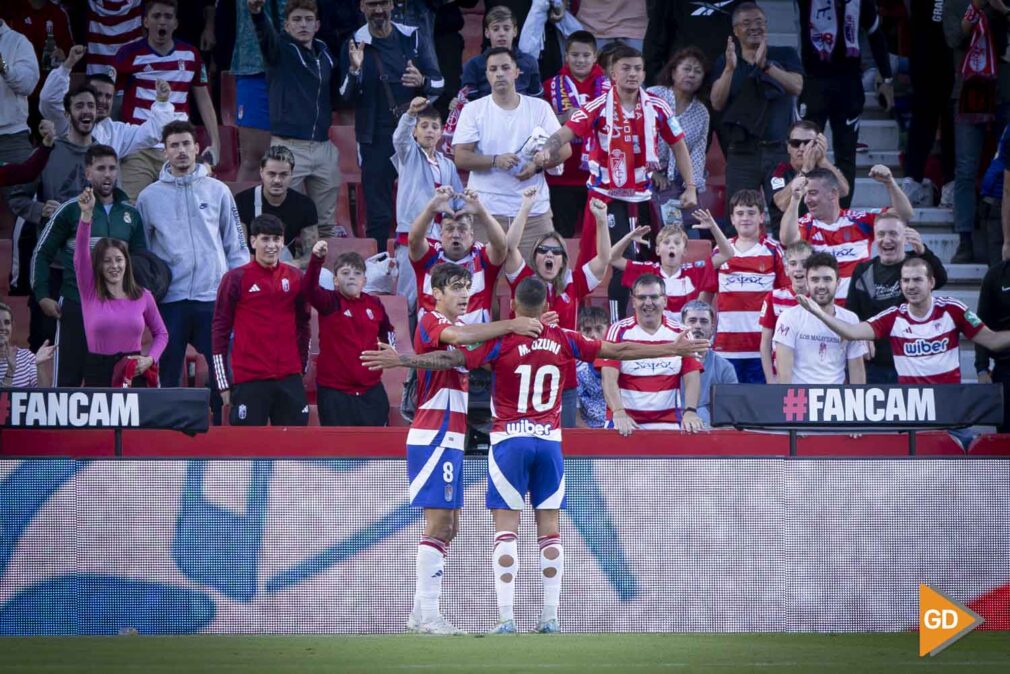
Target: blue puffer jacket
<point>300,83</point>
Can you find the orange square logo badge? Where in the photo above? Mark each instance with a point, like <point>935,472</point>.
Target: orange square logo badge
<point>942,621</point>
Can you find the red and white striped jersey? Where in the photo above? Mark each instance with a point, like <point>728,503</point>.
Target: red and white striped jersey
<point>621,172</point>
<point>744,282</point>
<point>485,275</point>
<point>926,349</point>
<point>139,67</point>
<point>849,239</point>
<point>684,285</point>
<point>111,24</point>
<point>578,284</point>
<point>440,419</point>
<point>527,374</point>
<point>775,303</point>
<point>650,388</point>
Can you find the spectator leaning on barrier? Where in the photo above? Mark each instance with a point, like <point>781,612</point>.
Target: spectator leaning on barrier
<point>20,367</point>
<point>263,305</point>
<point>116,309</point>
<point>645,394</point>
<point>274,196</point>
<point>116,220</point>
<point>579,81</point>
<point>383,68</point>
<point>625,126</point>
<point>495,139</point>
<point>923,331</point>
<point>698,318</point>
<point>302,85</point>
<point>422,169</point>
<point>807,148</point>
<point>500,30</point>
<point>139,65</point>
<point>191,223</point>
<point>123,137</point>
<point>845,233</point>
<point>350,321</point>
<point>806,351</point>
<point>833,85</point>
<point>780,299</point>
<point>876,285</point>
<point>19,73</point>
<point>994,310</point>
<point>755,92</point>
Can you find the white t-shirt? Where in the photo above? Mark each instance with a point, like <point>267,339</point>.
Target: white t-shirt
<point>819,355</point>
<point>498,131</point>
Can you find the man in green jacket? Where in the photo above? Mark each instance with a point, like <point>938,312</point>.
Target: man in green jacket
<point>54,257</point>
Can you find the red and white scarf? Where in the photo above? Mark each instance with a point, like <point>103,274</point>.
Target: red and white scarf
<point>824,27</point>
<point>977,103</point>
<point>621,153</point>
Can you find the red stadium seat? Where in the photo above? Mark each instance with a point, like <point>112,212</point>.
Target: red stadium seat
<point>393,380</point>
<point>335,246</point>
<point>697,249</point>
<point>22,317</point>
<point>347,145</point>
<point>228,106</point>
<point>309,378</point>
<point>6,259</point>
<point>227,167</point>
<point>396,309</point>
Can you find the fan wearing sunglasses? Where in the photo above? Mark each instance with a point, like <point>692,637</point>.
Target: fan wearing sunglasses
<point>807,148</point>
<point>566,287</point>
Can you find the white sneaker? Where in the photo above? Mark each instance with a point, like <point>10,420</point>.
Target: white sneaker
<point>920,195</point>
<point>504,627</point>
<point>439,625</point>
<point>947,195</point>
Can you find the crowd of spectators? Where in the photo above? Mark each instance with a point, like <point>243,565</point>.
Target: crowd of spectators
<point>559,129</point>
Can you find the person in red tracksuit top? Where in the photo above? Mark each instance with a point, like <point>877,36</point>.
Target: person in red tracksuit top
<point>350,321</point>
<point>263,303</point>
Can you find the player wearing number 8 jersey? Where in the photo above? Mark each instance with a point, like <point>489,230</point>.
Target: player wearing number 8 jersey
<point>525,452</point>
<point>436,437</point>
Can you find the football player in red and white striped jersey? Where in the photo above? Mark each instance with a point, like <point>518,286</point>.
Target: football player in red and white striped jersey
<point>780,299</point>
<point>646,393</point>
<point>923,331</point>
<point>744,282</point>
<point>845,233</point>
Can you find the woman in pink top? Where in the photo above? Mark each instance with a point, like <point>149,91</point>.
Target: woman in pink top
<point>116,310</point>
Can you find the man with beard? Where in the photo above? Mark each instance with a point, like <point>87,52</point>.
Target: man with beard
<point>274,196</point>
<point>116,219</point>
<point>35,203</point>
<point>807,352</point>
<point>192,223</point>
<point>123,137</point>
<point>876,285</point>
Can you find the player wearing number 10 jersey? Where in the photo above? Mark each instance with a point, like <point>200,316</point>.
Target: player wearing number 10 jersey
<point>436,437</point>
<point>525,452</point>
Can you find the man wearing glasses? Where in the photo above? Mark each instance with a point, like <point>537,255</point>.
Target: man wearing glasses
<point>807,148</point>
<point>645,394</point>
<point>755,94</point>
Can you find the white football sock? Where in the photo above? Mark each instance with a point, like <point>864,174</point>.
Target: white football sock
<point>551,572</point>
<point>430,569</point>
<point>505,547</point>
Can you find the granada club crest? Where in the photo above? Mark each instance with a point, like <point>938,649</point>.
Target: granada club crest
<point>618,168</point>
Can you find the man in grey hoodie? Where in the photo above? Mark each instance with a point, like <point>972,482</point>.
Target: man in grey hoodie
<point>192,223</point>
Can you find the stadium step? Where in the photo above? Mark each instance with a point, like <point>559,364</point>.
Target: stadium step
<point>864,160</point>
<point>943,245</point>
<point>964,274</point>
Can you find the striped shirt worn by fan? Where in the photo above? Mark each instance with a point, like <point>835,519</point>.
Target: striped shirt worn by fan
<point>111,25</point>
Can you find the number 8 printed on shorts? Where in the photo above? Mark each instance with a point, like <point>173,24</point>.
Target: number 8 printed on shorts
<point>447,472</point>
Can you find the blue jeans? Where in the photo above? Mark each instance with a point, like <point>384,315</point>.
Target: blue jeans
<point>188,322</point>
<point>968,142</point>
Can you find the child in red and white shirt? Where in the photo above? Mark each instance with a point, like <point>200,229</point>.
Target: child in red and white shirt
<point>780,299</point>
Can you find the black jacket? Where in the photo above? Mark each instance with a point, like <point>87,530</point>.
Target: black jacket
<point>875,287</point>
<point>994,310</point>
<point>301,83</point>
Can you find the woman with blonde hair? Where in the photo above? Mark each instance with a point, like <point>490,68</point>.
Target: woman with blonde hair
<point>20,368</point>
<point>116,309</point>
